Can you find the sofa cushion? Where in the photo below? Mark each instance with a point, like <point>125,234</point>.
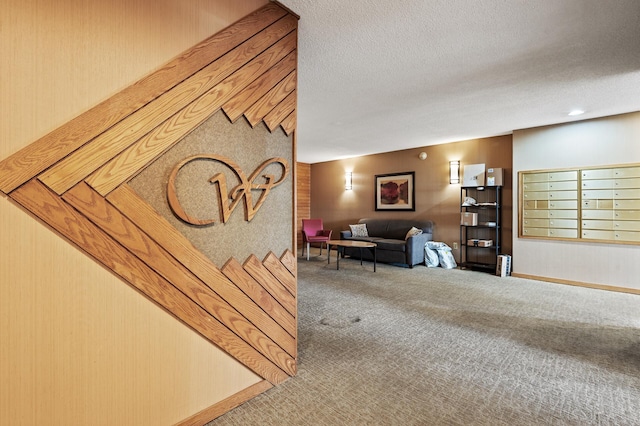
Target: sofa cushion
<point>395,229</point>
<point>368,239</point>
<point>392,245</point>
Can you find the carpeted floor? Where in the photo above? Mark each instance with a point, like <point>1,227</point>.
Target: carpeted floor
<point>429,346</point>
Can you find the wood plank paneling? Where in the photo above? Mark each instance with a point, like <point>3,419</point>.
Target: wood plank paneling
<point>103,148</point>
<point>237,288</point>
<point>261,297</point>
<point>250,95</point>
<point>125,232</point>
<point>273,97</point>
<point>289,261</point>
<point>273,264</point>
<point>261,274</point>
<point>151,222</point>
<point>303,191</point>
<point>51,148</point>
<point>78,229</point>
<point>124,166</point>
<point>281,111</point>
<point>289,123</point>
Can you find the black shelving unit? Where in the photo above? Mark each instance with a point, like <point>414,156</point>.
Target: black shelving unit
<point>488,210</point>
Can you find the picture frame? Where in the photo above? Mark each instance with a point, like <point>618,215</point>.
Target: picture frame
<point>395,191</point>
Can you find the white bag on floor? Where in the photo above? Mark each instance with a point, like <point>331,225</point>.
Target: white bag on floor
<point>431,258</point>
<point>447,261</point>
<point>444,255</point>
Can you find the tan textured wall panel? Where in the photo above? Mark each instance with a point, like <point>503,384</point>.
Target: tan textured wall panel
<point>66,57</point>
<point>271,227</point>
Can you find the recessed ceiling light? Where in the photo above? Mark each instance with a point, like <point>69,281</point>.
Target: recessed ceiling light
<point>576,112</point>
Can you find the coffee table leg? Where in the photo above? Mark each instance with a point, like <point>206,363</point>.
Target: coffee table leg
<point>328,253</point>
<point>374,258</point>
<point>338,258</point>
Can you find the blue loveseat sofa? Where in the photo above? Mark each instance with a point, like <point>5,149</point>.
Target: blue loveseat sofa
<point>389,236</point>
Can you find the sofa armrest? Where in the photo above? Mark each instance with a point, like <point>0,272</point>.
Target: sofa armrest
<point>415,248</point>
<point>344,235</point>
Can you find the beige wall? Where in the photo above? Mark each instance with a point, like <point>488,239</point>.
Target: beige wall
<point>436,199</point>
<point>78,346</point>
<point>604,141</point>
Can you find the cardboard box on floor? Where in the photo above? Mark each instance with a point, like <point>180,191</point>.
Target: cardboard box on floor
<point>503,268</point>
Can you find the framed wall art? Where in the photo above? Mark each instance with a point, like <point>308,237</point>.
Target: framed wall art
<point>395,191</point>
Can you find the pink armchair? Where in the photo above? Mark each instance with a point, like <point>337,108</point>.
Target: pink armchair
<point>313,232</point>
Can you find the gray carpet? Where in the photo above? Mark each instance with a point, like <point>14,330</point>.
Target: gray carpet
<point>427,346</point>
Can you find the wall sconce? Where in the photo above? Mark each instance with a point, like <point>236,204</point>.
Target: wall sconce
<point>422,155</point>
<point>348,181</point>
<point>454,172</point>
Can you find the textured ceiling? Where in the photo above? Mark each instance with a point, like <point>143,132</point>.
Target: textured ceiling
<point>378,76</point>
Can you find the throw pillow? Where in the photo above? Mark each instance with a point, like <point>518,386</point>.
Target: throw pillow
<point>413,231</point>
<point>359,230</point>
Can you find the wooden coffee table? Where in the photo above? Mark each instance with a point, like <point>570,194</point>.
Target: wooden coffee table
<point>350,243</point>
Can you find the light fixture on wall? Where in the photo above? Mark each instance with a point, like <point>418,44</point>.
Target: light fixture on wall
<point>348,181</point>
<point>454,172</point>
<point>422,155</point>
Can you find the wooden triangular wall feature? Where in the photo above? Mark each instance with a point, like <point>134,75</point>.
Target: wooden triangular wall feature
<point>75,180</point>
